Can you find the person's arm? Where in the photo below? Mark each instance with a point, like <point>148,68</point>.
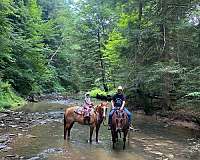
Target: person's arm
<point>112,104</point>
<point>122,107</point>
<point>123,103</point>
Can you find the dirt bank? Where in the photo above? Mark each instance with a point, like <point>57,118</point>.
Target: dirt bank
<point>178,118</point>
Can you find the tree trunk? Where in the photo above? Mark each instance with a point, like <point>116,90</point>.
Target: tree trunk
<point>103,76</point>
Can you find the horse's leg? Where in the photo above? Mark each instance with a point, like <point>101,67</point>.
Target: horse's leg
<point>91,132</point>
<point>97,132</point>
<point>124,139</point>
<point>69,129</point>
<point>113,138</point>
<point>117,136</point>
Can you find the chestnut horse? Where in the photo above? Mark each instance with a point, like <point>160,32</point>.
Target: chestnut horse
<point>96,119</point>
<point>119,124</point>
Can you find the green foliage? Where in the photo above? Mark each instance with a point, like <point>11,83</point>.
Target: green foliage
<point>95,91</point>
<point>194,94</point>
<point>151,47</point>
<point>7,97</point>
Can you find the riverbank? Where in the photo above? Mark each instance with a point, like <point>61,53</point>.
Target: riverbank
<point>179,118</point>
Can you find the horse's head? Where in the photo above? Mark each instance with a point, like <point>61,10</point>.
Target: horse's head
<point>102,109</point>
<point>121,120</point>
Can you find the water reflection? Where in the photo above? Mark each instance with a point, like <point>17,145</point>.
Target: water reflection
<point>45,141</point>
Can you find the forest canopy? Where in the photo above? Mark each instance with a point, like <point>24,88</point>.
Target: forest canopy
<point>151,47</point>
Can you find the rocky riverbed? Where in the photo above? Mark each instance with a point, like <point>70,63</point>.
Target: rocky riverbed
<point>36,132</point>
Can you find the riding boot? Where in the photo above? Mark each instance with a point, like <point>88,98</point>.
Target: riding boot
<point>131,127</point>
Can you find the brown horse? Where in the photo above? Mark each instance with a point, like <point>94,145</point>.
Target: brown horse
<point>96,119</point>
<point>119,124</point>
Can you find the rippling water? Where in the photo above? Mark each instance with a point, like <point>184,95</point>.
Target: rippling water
<point>45,139</point>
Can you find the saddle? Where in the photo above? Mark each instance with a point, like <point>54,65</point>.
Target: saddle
<point>120,114</point>
<point>86,113</point>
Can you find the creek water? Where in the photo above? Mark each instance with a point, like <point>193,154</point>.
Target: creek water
<point>44,139</point>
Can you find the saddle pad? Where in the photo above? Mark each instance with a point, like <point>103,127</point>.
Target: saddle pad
<point>79,110</point>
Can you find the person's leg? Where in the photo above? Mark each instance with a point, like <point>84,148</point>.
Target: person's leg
<point>110,116</point>
<point>129,115</point>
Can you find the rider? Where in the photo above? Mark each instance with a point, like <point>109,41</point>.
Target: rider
<point>87,103</point>
<point>118,101</point>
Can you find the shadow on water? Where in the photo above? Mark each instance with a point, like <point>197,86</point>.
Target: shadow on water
<point>45,140</point>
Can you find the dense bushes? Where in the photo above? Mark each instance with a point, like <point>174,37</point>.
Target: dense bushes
<point>8,98</point>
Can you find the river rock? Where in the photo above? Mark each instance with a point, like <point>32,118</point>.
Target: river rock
<point>159,158</point>
<point>19,134</point>
<point>2,146</point>
<point>2,115</point>
<point>161,144</point>
<point>3,139</point>
<point>24,130</point>
<point>43,122</point>
<point>2,125</point>
<point>140,140</point>
<point>13,126</point>
<point>30,136</point>
<point>10,155</point>
<point>170,156</point>
<point>148,149</point>
<point>168,141</point>
<point>11,135</point>
<point>156,152</point>
<point>22,121</point>
<point>34,158</point>
<point>6,149</point>
<point>148,138</point>
<point>9,119</point>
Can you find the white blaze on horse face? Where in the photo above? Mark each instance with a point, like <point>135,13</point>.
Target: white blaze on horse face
<point>104,111</point>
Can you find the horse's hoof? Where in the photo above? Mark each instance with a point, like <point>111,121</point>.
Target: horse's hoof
<point>89,141</point>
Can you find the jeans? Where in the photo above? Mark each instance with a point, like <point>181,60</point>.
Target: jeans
<point>125,109</point>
